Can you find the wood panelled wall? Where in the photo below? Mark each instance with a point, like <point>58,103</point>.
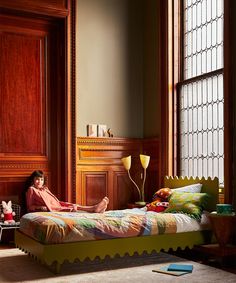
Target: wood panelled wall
<point>100,171</point>
<point>34,86</point>
<point>37,114</point>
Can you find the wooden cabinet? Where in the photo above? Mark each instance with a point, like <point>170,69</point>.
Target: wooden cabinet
<point>100,172</point>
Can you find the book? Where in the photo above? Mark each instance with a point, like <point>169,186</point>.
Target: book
<point>102,130</point>
<point>164,269</point>
<point>92,130</point>
<point>180,267</point>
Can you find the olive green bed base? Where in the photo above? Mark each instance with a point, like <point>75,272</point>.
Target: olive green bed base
<point>54,255</point>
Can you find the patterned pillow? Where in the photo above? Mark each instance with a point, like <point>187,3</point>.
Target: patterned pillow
<point>194,188</point>
<point>191,204</point>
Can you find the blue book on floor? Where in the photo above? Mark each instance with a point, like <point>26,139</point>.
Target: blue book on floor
<point>164,269</point>
<point>180,267</point>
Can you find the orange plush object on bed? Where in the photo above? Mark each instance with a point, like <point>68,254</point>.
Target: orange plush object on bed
<point>162,194</point>
<point>157,206</point>
<point>160,200</point>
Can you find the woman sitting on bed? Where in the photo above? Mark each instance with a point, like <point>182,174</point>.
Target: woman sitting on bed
<point>39,198</point>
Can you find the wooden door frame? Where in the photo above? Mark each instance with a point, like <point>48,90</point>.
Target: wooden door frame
<point>167,74</point>
<point>229,102</point>
<point>70,152</point>
<point>61,13</point>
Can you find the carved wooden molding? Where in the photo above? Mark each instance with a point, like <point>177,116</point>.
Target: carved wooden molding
<point>43,7</point>
<point>72,23</point>
<point>111,141</point>
<point>106,151</point>
<point>5,165</point>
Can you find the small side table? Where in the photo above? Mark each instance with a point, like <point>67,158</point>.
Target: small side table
<point>4,226</point>
<point>224,228</point>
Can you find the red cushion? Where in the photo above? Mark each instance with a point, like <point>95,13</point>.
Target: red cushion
<point>157,206</point>
<point>162,194</point>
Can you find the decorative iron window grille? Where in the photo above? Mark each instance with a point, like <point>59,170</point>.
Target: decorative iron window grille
<point>201,98</point>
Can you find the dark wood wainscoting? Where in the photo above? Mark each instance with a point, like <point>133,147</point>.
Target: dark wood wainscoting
<point>100,171</point>
<point>33,93</point>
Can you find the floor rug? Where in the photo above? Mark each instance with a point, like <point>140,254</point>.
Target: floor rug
<point>15,266</point>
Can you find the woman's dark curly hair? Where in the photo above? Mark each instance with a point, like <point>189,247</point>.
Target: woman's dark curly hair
<point>29,182</point>
<point>35,174</point>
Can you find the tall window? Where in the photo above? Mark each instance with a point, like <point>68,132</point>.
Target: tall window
<point>201,98</point>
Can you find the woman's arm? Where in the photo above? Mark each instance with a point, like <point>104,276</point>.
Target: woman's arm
<point>35,208</point>
<point>30,201</point>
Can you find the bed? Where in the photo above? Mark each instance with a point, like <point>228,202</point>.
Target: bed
<point>54,252</point>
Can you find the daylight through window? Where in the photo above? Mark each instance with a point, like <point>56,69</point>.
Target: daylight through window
<point>201,101</point>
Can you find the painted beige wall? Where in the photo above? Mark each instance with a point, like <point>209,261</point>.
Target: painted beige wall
<point>114,85</point>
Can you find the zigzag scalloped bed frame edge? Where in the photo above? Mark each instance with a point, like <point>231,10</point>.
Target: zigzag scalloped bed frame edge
<point>54,255</point>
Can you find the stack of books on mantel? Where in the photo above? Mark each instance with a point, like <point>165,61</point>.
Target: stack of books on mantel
<point>175,269</point>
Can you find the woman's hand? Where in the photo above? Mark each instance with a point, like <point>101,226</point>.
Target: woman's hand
<point>43,208</point>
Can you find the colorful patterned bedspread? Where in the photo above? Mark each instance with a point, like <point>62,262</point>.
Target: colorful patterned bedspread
<point>64,227</point>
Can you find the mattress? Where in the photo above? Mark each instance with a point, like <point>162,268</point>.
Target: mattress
<point>64,227</point>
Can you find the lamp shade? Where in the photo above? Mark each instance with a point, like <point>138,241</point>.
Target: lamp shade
<point>144,160</point>
<point>127,162</point>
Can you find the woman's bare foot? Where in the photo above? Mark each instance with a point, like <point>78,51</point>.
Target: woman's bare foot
<point>102,205</point>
